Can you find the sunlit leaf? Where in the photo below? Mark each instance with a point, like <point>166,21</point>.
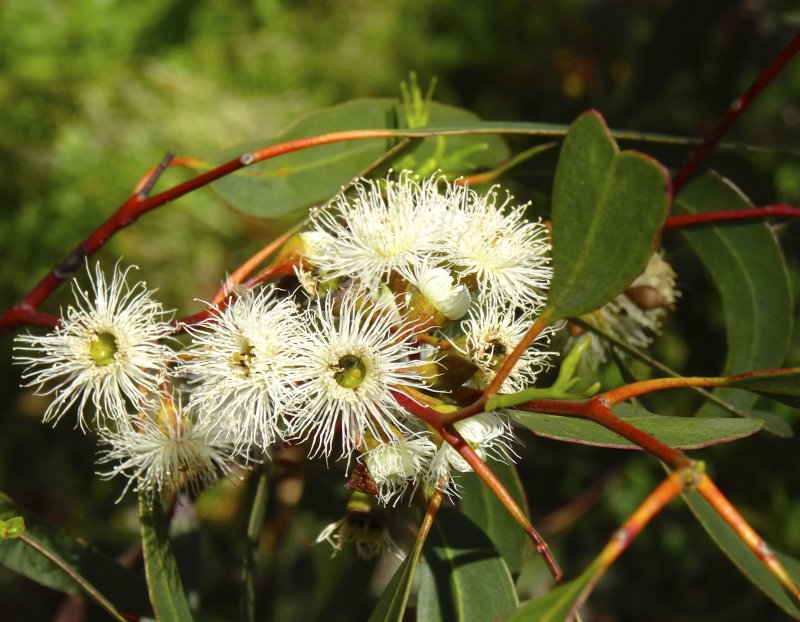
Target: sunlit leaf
<point>468,579</point>
<point>126,591</point>
<point>483,508</point>
<point>608,207</point>
<point>747,267</point>
<point>677,432</point>
<point>311,176</point>
<point>743,558</point>
<point>163,581</point>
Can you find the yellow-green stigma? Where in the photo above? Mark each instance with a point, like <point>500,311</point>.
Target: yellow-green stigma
<point>244,357</point>
<point>350,372</point>
<point>103,349</point>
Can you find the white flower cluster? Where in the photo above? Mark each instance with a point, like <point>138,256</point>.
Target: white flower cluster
<point>403,278</point>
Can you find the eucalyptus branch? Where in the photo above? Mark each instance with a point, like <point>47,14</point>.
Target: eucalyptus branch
<point>728,216</point>
<point>735,110</point>
<point>747,534</point>
<point>457,442</point>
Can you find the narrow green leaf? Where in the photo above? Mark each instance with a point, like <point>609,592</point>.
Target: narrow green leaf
<point>296,180</point>
<point>748,269</point>
<point>124,591</point>
<point>743,558</point>
<point>480,505</point>
<point>163,580</point>
<point>258,510</point>
<point>391,606</point>
<point>608,208</point>
<point>782,385</point>
<point>560,603</point>
<point>468,579</point>
<point>677,432</point>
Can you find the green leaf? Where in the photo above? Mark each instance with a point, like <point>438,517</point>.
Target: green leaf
<point>782,385</point>
<point>608,208</point>
<point>391,605</point>
<point>163,580</point>
<point>311,176</point>
<point>12,528</point>
<point>468,579</point>
<point>480,505</point>
<point>124,591</point>
<point>677,432</point>
<point>748,269</point>
<point>743,558</point>
<point>560,603</point>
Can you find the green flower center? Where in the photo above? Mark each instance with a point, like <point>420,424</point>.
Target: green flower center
<point>244,357</point>
<point>103,349</point>
<point>350,372</point>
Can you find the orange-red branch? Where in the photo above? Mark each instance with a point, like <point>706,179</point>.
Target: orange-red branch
<point>137,205</point>
<point>451,436</point>
<point>541,323</point>
<point>735,215</point>
<point>656,501</point>
<point>628,391</point>
<point>753,541</point>
<point>734,112</point>
<point>670,488</point>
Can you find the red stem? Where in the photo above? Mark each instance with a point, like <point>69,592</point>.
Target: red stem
<point>734,111</point>
<point>137,205</point>
<point>456,441</point>
<point>747,213</point>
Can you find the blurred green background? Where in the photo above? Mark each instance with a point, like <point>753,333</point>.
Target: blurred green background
<point>94,92</point>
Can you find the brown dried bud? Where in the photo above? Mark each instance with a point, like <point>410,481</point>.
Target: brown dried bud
<point>361,480</point>
<point>646,297</point>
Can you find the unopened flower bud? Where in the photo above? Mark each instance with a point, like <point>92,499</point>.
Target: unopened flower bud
<point>436,298</point>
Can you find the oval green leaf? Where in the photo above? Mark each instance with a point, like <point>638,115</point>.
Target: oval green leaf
<point>163,581</point>
<point>749,271</point>
<point>481,506</point>
<point>93,572</point>
<point>468,581</point>
<point>677,432</point>
<point>608,208</point>
<point>743,558</point>
<point>311,176</point>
